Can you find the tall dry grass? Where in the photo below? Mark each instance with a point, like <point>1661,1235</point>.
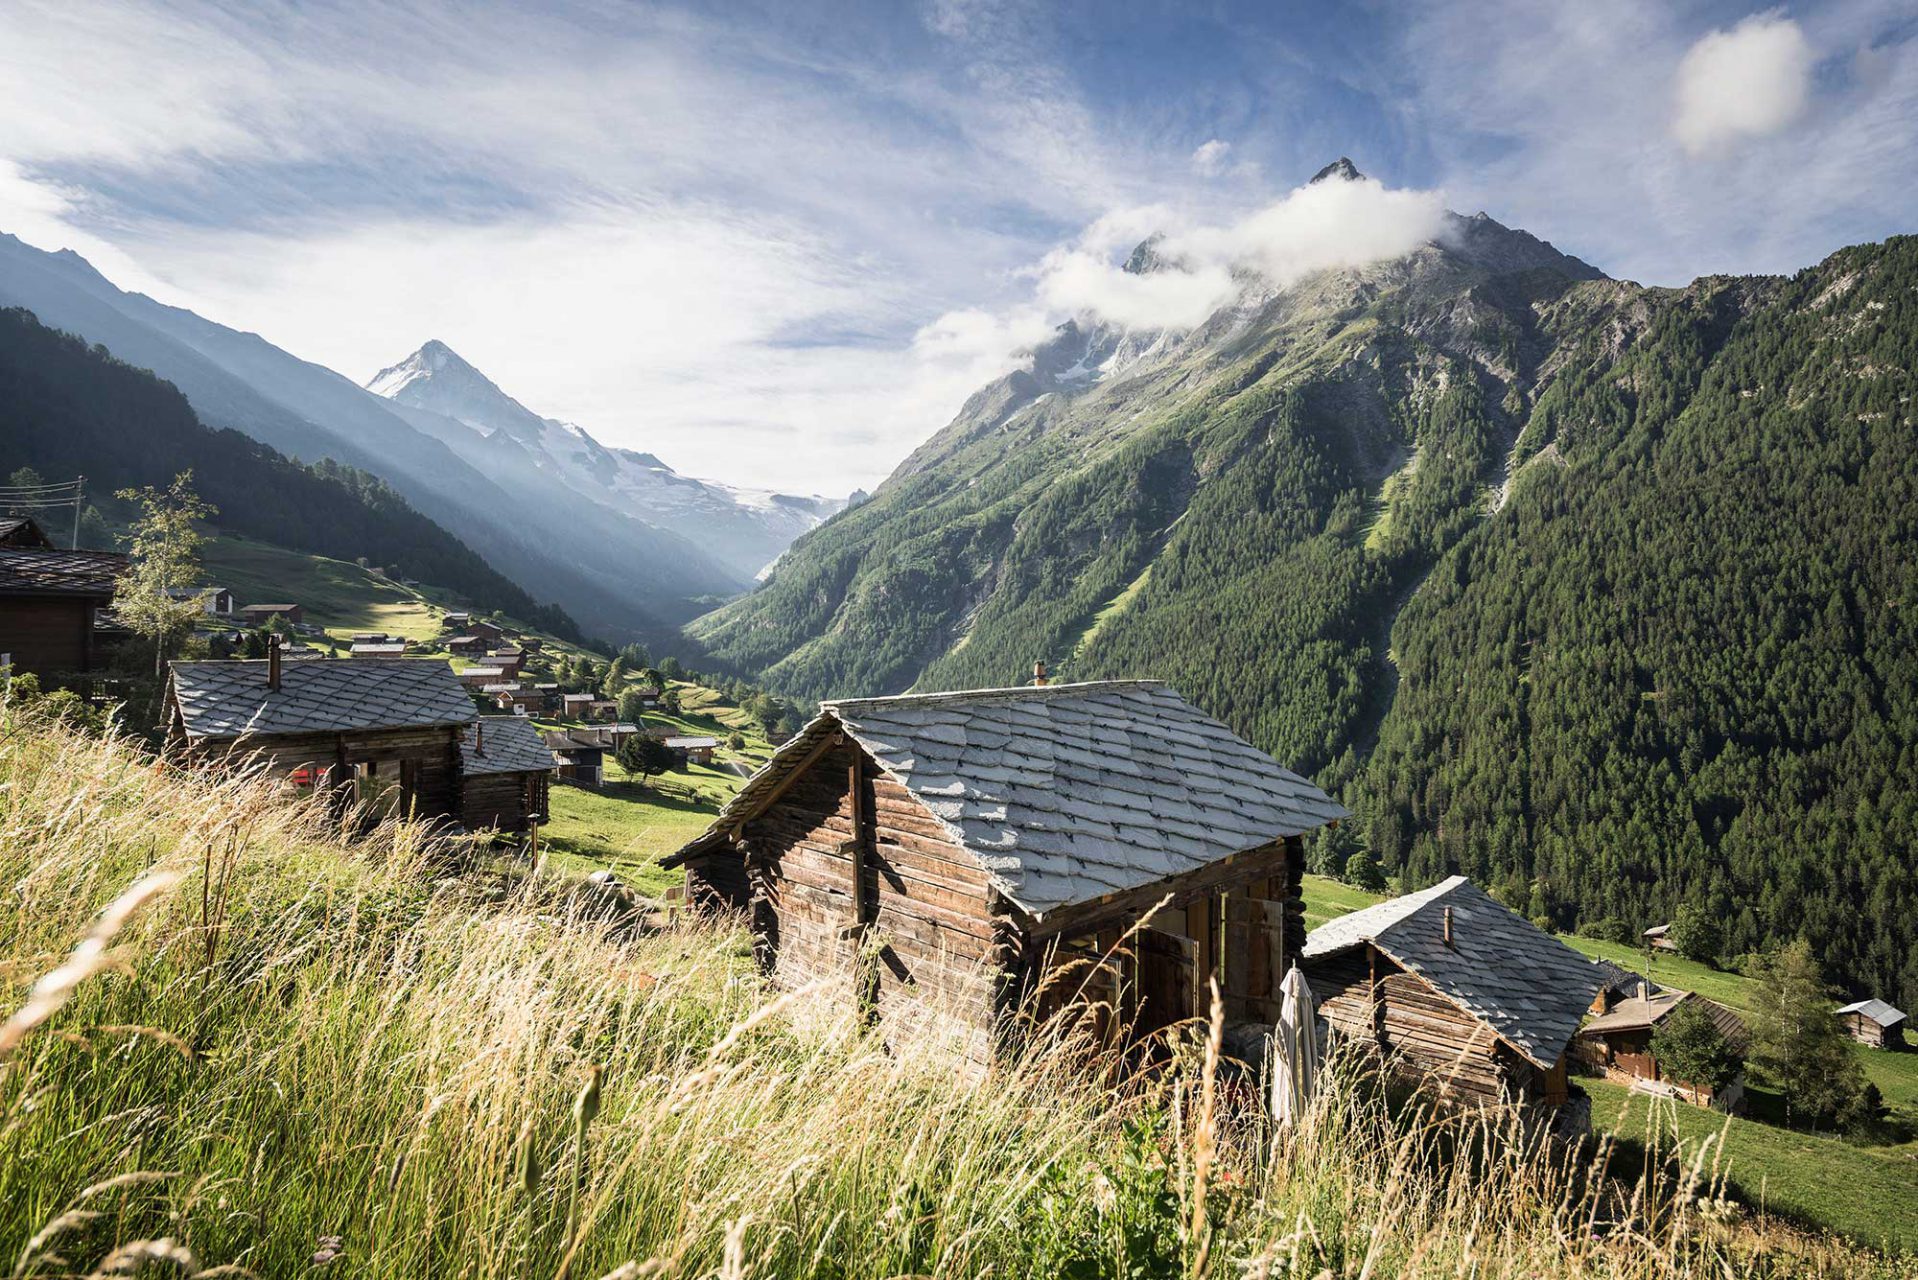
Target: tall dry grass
<point>302,1053</point>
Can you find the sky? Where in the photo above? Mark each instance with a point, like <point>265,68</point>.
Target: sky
<point>779,244</point>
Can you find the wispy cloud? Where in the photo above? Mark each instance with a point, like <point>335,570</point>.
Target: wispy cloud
<point>1750,81</point>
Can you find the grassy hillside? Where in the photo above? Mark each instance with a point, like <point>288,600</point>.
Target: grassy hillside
<point>1868,1192</point>
<point>301,1055</point>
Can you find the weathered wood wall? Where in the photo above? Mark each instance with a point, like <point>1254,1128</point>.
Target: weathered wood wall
<point>506,801</point>
<point>1363,995</point>
<point>432,752</point>
<point>47,635</point>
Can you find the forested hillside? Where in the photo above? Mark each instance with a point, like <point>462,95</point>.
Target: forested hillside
<point>68,409</point>
<point>1615,579</point>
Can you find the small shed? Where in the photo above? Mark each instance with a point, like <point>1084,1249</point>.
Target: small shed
<point>581,755</point>
<point>466,646</point>
<point>457,621</point>
<point>1456,992</point>
<point>1618,1043</point>
<point>697,750</point>
<point>215,602</point>
<point>940,861</point>
<point>260,614</point>
<point>505,771</point>
<point>1659,938</point>
<point>602,709</point>
<point>480,677</point>
<point>384,731</point>
<point>575,704</point>
<point>49,602</point>
<point>1875,1023</point>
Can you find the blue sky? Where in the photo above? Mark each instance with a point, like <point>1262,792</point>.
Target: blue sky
<point>778,244</point>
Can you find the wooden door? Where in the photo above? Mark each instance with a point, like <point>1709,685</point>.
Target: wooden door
<point>1170,977</point>
<point>1254,960</point>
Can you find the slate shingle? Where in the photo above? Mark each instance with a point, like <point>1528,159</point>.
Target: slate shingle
<point>1069,792</point>
<point>509,744</point>
<point>220,700</point>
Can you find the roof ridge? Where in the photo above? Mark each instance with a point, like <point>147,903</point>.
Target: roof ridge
<point>1005,693</point>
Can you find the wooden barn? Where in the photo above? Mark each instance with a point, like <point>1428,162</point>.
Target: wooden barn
<point>505,773</point>
<point>50,601</point>
<point>384,731</point>
<point>580,753</point>
<point>1618,1043</point>
<point>1457,993</point>
<point>931,859</point>
<point>258,615</point>
<point>1875,1023</point>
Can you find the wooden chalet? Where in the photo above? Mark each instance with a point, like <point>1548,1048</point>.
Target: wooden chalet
<point>1456,992</point>
<point>50,601</point>
<point>1659,938</point>
<point>549,696</point>
<point>215,602</point>
<point>259,615</point>
<point>934,859</point>
<point>384,731</point>
<point>693,749</point>
<point>1875,1023</point>
<point>24,532</point>
<point>505,773</point>
<point>603,710</point>
<point>485,631</point>
<point>1618,1043</point>
<point>581,755</point>
<point>520,700</point>
<point>456,621</point>
<point>466,646</point>
<point>480,677</point>
<point>574,705</point>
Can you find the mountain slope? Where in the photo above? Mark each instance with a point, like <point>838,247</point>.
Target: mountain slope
<point>66,409</point>
<point>745,530</point>
<point>1382,507</point>
<point>618,574</point>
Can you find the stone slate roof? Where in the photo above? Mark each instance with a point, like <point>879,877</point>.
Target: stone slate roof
<point>220,700</point>
<point>511,744</point>
<point>34,571</point>
<point>1520,981</point>
<point>1636,1014</point>
<point>23,531</point>
<point>1066,793</point>
<point>1877,1010</point>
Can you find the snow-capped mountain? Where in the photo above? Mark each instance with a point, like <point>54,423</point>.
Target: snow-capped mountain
<point>745,529</point>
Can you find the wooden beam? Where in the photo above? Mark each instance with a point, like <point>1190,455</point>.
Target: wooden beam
<point>1229,872</point>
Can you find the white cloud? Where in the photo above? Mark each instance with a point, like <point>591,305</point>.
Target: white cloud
<point>1319,226</point>
<point>1208,160</point>
<point>1750,81</point>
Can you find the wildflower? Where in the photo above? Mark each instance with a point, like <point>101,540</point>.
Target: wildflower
<point>1104,1198</point>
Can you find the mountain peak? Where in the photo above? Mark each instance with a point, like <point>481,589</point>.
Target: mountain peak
<point>1342,169</point>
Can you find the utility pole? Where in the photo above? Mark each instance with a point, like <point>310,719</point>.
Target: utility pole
<point>79,501</point>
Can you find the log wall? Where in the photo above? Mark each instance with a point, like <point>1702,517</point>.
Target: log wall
<point>503,801</point>
<point>48,634</point>
<point>430,757</point>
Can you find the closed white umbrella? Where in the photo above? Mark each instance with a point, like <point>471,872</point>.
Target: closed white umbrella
<point>1295,1050</point>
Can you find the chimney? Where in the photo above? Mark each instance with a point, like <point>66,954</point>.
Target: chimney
<point>1039,675</point>
<point>1448,926</point>
<point>1644,989</point>
<point>479,736</point>
<point>273,662</point>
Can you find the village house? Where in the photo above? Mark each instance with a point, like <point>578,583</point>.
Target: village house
<point>456,621</point>
<point>933,859</point>
<point>1618,1043</point>
<point>519,700</point>
<point>384,731</point>
<point>485,631</point>
<point>54,609</point>
<point>549,697</point>
<point>1456,993</point>
<point>258,615</point>
<point>1659,938</point>
<point>602,710</point>
<point>531,644</point>
<point>505,773</point>
<point>24,532</point>
<point>507,660</point>
<point>215,602</point>
<point>480,677</point>
<point>50,601</point>
<point>693,749</point>
<point>573,705</point>
<point>581,755</point>
<point>466,646</point>
<point>1875,1023</point>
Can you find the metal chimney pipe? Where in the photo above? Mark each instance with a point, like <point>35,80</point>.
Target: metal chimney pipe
<point>273,662</point>
<point>1448,926</point>
<point>1039,674</point>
